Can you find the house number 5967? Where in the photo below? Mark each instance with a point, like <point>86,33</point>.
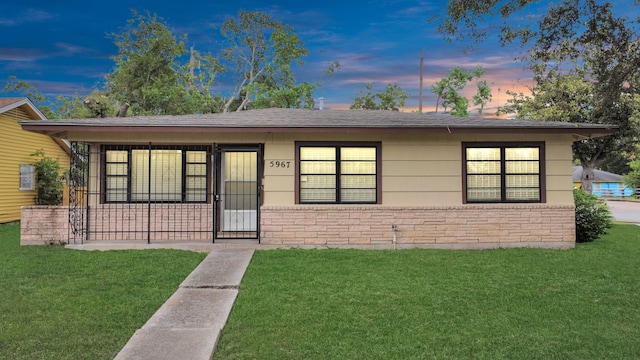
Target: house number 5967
<point>279,164</point>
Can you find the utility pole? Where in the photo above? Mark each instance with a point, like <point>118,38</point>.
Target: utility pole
<point>191,67</point>
<point>421,80</point>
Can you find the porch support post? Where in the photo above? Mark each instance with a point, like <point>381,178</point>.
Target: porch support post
<point>149,199</point>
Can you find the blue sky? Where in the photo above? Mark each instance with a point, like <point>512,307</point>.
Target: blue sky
<point>61,46</point>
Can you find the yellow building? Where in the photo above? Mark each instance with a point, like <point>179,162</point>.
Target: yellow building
<point>17,179</point>
<point>324,178</point>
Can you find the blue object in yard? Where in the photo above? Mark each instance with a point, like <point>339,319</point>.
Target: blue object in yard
<point>605,184</point>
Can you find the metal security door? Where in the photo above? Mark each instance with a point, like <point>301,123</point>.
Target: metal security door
<point>238,192</point>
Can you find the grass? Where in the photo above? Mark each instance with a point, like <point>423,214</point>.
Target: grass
<point>57,303</point>
<point>414,304</point>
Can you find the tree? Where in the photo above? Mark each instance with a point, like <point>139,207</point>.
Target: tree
<point>482,96</point>
<point>149,77</point>
<point>29,90</point>
<point>261,53</point>
<point>59,107</point>
<point>448,90</point>
<point>392,98</point>
<point>585,60</point>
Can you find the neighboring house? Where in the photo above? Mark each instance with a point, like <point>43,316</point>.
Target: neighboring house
<point>17,178</point>
<point>326,178</point>
<point>605,184</point>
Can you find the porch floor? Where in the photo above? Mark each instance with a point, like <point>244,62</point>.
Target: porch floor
<point>193,245</point>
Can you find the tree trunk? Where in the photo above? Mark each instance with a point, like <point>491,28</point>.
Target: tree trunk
<point>586,179</point>
<point>122,111</point>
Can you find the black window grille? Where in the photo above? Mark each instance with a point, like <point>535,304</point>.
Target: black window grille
<point>156,174</point>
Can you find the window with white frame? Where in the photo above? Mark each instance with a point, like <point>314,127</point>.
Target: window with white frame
<point>27,177</point>
<point>503,172</point>
<point>159,174</point>
<point>338,173</point>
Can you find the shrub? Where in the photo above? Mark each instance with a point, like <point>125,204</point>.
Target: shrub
<point>49,183</point>
<point>593,217</point>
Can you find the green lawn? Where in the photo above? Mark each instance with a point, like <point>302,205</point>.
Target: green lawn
<point>338,304</point>
<point>414,304</point>
<point>57,303</point>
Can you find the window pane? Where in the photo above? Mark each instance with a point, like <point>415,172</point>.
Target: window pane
<point>524,194</point>
<point>318,195</point>
<point>483,154</point>
<point>358,182</point>
<point>358,153</point>
<point>477,181</point>
<point>483,167</point>
<point>113,196</point>
<point>520,167</point>
<point>317,181</point>
<point>195,195</point>
<point>196,169</point>
<point>196,189</point>
<point>116,188</point>
<point>317,153</point>
<point>358,195</point>
<point>116,155</point>
<point>317,167</point>
<point>488,194</point>
<point>165,183</point>
<point>522,154</point>
<point>116,169</point>
<point>196,156</point>
<point>359,167</point>
<point>196,182</point>
<point>523,181</point>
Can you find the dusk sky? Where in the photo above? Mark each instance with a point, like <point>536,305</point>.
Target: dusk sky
<point>61,46</point>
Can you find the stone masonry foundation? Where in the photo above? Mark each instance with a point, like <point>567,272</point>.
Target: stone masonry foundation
<point>458,227</point>
<point>455,227</point>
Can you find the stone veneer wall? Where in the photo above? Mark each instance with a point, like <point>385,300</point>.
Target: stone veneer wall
<point>459,227</point>
<point>463,227</point>
<point>44,225</point>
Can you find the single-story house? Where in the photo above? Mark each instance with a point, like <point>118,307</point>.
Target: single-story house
<point>323,178</point>
<point>17,176</point>
<point>605,184</point>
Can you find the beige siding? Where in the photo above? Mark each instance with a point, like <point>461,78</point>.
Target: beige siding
<point>417,169</point>
<point>16,146</point>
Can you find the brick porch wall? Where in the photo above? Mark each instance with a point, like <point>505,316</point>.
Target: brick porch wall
<point>463,227</point>
<point>44,225</point>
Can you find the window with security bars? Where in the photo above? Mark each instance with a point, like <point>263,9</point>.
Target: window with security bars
<point>338,174</point>
<point>158,174</point>
<point>503,173</point>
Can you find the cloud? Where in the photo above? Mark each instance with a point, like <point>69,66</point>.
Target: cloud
<point>28,16</point>
<point>21,54</point>
<point>67,50</point>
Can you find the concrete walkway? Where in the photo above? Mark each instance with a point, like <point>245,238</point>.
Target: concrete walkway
<point>189,323</point>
